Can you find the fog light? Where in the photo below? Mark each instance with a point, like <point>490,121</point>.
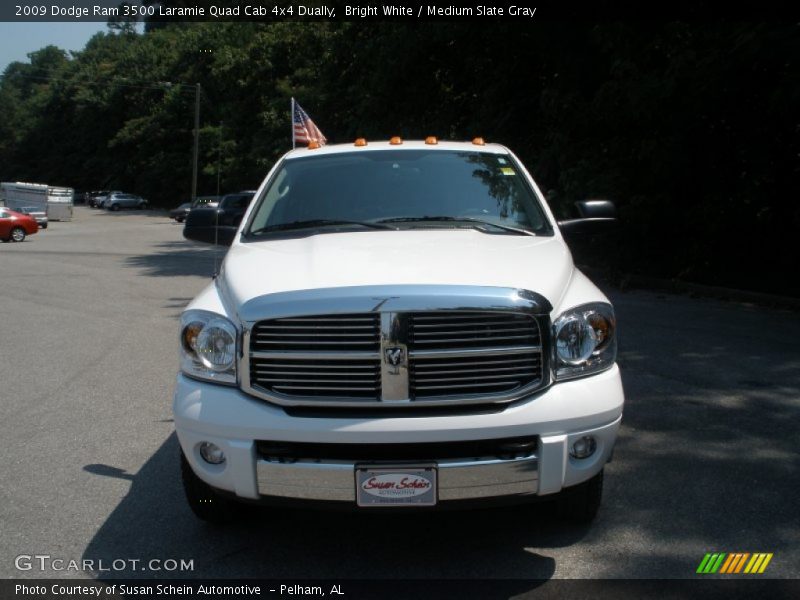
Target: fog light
<point>583,447</point>
<point>212,453</point>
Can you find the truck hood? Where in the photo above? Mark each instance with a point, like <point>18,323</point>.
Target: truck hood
<point>449,257</point>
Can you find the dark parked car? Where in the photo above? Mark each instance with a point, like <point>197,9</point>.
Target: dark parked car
<point>225,218</point>
<point>15,226</point>
<point>179,214</point>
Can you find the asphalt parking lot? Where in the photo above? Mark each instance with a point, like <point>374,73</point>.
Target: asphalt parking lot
<point>707,459</point>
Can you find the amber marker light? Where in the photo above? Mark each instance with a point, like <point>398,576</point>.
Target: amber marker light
<point>313,145</point>
<point>431,140</point>
<point>478,141</point>
<point>396,140</point>
<point>360,142</point>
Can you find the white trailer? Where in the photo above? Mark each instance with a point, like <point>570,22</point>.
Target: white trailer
<point>57,202</point>
<point>60,201</point>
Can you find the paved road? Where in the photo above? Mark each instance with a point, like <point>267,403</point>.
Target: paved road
<point>707,459</point>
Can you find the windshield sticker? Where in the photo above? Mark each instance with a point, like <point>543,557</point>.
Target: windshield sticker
<point>502,161</point>
<point>507,171</point>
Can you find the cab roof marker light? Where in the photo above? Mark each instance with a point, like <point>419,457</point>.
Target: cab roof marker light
<point>431,140</point>
<point>360,142</point>
<point>396,140</point>
<point>313,145</point>
<point>478,141</point>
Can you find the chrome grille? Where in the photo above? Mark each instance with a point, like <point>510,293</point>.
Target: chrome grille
<point>450,356</point>
<point>320,356</point>
<point>445,330</point>
<point>468,353</point>
<point>335,332</point>
<point>303,377</point>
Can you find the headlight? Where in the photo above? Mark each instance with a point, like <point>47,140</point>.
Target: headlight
<point>585,340</point>
<point>208,346</point>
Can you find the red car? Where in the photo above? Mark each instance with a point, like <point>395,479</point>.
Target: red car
<point>15,227</point>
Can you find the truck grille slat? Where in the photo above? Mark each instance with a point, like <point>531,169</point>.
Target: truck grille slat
<point>489,364</point>
<point>307,329</point>
<point>522,370</point>
<point>325,388</point>
<point>331,319</point>
<point>461,388</point>
<point>475,338</point>
<point>315,341</point>
<point>422,327</point>
<point>465,378</point>
<point>307,380</point>
<point>451,317</point>
<point>349,373</point>
<point>312,334</point>
<point>276,367</point>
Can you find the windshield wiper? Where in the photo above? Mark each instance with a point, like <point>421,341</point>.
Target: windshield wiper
<point>457,219</point>
<point>311,223</point>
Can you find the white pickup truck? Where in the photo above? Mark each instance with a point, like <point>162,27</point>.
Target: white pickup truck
<point>398,324</point>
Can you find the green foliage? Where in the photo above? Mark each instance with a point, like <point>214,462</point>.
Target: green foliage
<point>690,127</point>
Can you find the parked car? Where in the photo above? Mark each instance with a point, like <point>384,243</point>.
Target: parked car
<point>398,324</point>
<point>92,198</point>
<point>223,218</point>
<point>16,226</point>
<point>179,214</point>
<point>118,200</point>
<point>39,215</point>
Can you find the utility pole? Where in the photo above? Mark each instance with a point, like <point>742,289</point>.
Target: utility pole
<point>196,140</point>
<point>219,155</point>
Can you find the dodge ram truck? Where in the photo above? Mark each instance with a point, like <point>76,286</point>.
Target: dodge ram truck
<point>398,325</point>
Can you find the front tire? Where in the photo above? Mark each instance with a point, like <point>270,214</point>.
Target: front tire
<point>114,207</point>
<point>205,503</point>
<point>17,234</point>
<point>581,503</point>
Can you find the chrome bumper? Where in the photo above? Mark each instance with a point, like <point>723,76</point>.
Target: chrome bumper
<point>457,479</point>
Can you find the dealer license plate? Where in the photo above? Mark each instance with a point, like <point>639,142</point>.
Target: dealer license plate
<point>396,485</point>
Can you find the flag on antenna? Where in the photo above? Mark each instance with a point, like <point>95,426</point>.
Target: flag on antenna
<point>303,128</point>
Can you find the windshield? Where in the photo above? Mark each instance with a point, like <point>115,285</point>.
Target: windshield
<point>407,188</point>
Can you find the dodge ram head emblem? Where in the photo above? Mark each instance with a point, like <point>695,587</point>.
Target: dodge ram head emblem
<point>395,356</point>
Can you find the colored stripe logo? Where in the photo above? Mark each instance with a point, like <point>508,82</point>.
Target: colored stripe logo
<point>734,563</point>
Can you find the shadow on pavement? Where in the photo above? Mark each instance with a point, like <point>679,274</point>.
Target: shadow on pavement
<point>179,258</point>
<point>707,456</point>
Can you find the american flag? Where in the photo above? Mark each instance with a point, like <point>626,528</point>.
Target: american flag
<point>305,130</point>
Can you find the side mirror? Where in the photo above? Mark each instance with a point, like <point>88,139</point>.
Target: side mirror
<point>202,226</point>
<point>595,216</point>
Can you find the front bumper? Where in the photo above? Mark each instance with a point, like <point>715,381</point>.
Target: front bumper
<point>556,417</point>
